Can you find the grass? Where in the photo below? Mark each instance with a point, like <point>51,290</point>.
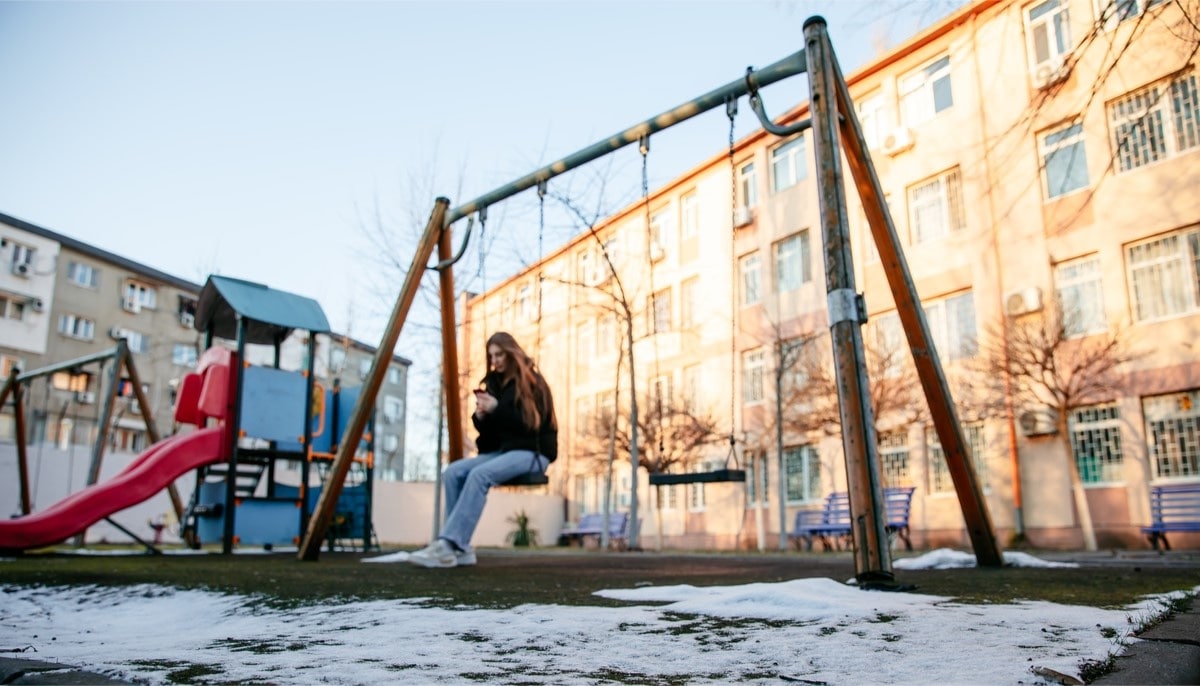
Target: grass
<point>505,578</point>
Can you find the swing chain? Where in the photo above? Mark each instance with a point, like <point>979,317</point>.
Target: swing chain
<point>731,112</point>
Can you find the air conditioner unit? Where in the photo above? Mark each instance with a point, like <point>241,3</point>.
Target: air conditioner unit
<point>37,304</point>
<point>85,397</point>
<point>743,216</point>
<point>1024,301</point>
<point>130,303</point>
<point>22,269</point>
<point>187,320</point>
<point>1038,422</point>
<point>118,333</point>
<point>657,252</point>
<point>899,140</point>
<point>1050,72</point>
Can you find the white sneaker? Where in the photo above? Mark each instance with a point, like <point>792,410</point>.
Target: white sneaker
<point>465,558</point>
<point>435,555</point>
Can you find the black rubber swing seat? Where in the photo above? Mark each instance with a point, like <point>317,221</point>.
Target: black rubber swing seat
<point>528,479</point>
<point>719,475</point>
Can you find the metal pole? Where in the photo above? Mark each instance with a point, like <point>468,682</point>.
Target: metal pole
<point>872,559</point>
<point>235,422</point>
<point>916,329</point>
<point>310,547</point>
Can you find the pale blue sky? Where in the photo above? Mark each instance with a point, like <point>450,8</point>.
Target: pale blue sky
<point>247,138</point>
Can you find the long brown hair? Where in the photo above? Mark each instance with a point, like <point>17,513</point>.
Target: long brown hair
<point>531,398</point>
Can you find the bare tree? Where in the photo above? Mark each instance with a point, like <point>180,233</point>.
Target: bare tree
<point>1049,364</point>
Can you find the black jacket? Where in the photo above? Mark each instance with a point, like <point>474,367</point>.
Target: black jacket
<point>502,430</point>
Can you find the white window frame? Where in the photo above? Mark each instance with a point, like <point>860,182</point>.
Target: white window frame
<point>12,308</point>
<point>1113,12</point>
<point>606,336</point>
<point>789,164</point>
<point>83,275</point>
<point>935,207</point>
<point>1063,152</point>
<point>919,90</point>
<point>1166,268</point>
<point>184,355</point>
<point>394,375</point>
<point>691,387</point>
<point>77,327</point>
<point>894,458</point>
<point>1095,436</point>
<point>792,257</point>
<point>954,326</point>
<point>748,185</point>
<point>874,120</point>
<point>689,291</point>
<point>1080,294</point>
<point>660,311</point>
<point>689,216</point>
<point>393,409</point>
<point>754,366</point>
<point>1047,32</point>
<point>1155,123</point>
<point>1170,421</point>
<point>750,268</point>
<point>143,294</point>
<point>939,471</point>
<point>802,474</point>
<point>660,229</point>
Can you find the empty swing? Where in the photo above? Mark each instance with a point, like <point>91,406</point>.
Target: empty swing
<point>731,471</point>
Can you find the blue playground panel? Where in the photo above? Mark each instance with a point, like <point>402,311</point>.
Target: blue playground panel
<point>257,522</point>
<point>273,404</point>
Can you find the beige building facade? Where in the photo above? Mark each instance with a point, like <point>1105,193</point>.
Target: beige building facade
<point>1041,162</point>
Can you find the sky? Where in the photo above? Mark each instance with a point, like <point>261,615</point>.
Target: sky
<point>806,630</point>
<point>275,141</point>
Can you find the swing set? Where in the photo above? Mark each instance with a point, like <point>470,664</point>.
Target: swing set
<point>835,130</point>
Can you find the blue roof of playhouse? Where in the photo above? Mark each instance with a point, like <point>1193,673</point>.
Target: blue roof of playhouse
<point>270,314</point>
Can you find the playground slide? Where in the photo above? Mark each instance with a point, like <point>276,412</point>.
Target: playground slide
<point>149,473</point>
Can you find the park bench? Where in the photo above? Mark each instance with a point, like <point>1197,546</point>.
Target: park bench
<point>1173,507</point>
<point>593,524</point>
<point>832,521</point>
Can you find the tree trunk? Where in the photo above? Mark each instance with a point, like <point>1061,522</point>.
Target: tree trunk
<point>1083,512</point>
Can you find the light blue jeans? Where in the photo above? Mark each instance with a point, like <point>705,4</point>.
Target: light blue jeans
<point>467,482</point>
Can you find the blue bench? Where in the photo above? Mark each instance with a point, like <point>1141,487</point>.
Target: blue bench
<point>832,521</point>
<point>593,524</point>
<point>1173,507</point>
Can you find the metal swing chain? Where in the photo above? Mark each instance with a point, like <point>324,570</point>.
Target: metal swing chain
<point>541,192</point>
<point>644,149</point>
<point>731,107</point>
<point>482,270</point>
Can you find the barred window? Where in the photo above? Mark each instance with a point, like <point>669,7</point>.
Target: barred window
<point>1155,123</point>
<point>1173,434</point>
<point>893,456</point>
<point>936,207</point>
<point>939,471</point>
<point>1096,443</point>
<point>1165,275</point>
<point>802,469</point>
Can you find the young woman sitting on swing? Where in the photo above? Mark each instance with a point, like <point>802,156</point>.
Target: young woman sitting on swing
<point>518,434</point>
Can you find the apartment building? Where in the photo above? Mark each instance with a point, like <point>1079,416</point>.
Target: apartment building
<point>1039,161</point>
<point>62,299</point>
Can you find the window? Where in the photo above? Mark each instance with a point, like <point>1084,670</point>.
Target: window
<point>926,92</point>
<point>792,262</point>
<point>1113,12</point>
<point>1165,274</point>
<point>8,363</point>
<point>748,185</point>
<point>393,409</point>
<point>1156,122</point>
<point>660,396</point>
<point>1049,31</point>
<point>606,336</point>
<point>952,326</point>
<point>585,417</point>
<point>390,443</point>
<point>750,267</point>
<point>394,375</point>
<point>75,326</point>
<point>796,357</point>
<point>12,308</point>
<point>939,471</point>
<point>364,368</point>
<point>660,311</point>
<point>22,256</point>
<point>893,457</point>
<point>585,341</point>
<point>1064,160</point>
<point>337,360</point>
<point>83,275</point>
<point>935,207</point>
<point>140,293</point>
<point>660,230</point>
<point>1080,297</point>
<point>138,342</point>
<point>669,496</point>
<point>752,376</point>
<point>183,355</point>
<point>689,290</point>
<point>691,387</point>
<point>689,216</point>
<point>752,460</point>
<point>872,116</point>
<point>1096,442</point>
<point>788,164</point>
<point>1173,431</point>
<point>802,474</point>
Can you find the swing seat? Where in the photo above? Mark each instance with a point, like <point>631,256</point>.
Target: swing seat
<point>527,479</point>
<point>715,476</point>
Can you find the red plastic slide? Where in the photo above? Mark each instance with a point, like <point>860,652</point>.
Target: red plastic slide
<point>149,473</point>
